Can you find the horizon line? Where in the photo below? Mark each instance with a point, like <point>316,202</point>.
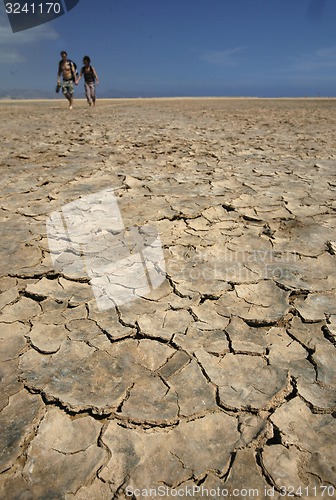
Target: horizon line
<point>57,99</point>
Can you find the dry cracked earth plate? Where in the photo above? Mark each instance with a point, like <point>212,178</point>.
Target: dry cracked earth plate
<point>223,378</point>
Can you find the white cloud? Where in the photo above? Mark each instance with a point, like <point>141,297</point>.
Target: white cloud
<point>320,59</point>
<point>10,56</point>
<point>225,57</point>
<point>30,36</point>
<point>12,44</point>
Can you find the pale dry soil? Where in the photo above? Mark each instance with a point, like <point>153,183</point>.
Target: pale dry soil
<point>225,375</point>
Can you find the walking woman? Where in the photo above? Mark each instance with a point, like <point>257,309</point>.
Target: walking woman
<point>90,79</point>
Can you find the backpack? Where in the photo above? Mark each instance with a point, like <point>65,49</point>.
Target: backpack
<point>73,74</point>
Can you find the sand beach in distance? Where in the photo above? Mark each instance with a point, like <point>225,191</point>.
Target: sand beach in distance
<point>168,298</point>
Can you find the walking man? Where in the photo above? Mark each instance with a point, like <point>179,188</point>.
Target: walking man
<point>67,69</point>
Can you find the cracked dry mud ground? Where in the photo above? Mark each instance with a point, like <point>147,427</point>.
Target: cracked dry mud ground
<point>225,375</point>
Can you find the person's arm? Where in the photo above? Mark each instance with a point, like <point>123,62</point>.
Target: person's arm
<point>95,75</point>
<point>59,74</point>
<point>73,71</point>
<point>80,76</point>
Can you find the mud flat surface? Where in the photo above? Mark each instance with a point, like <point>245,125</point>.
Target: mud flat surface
<point>221,380</point>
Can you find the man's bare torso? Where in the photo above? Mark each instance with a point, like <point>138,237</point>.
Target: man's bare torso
<point>66,70</point>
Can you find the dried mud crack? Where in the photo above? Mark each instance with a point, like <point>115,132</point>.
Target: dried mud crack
<point>223,376</point>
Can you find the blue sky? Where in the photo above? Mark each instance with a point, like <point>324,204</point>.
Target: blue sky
<point>182,47</point>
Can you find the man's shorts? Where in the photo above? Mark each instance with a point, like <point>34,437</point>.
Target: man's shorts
<point>67,87</point>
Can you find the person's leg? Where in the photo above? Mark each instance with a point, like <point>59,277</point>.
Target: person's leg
<point>70,99</point>
<point>88,93</point>
<point>68,91</point>
<point>71,94</point>
<point>93,93</point>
